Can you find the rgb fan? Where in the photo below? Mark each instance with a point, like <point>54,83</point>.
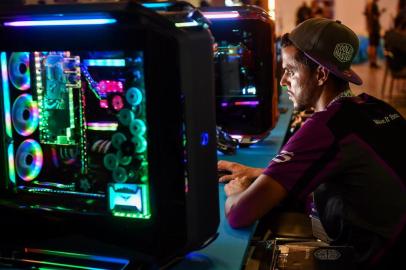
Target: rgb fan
<point>29,160</point>
<point>19,70</point>
<point>25,115</point>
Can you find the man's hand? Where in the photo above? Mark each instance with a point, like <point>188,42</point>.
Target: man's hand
<point>238,170</point>
<point>236,186</point>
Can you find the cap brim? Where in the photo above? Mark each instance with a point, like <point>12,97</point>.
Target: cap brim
<point>347,75</point>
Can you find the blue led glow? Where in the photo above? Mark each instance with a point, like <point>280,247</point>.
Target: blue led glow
<point>61,22</point>
<point>198,257</point>
<point>130,197</point>
<point>204,139</point>
<point>104,62</point>
<point>157,5</point>
<point>129,200</point>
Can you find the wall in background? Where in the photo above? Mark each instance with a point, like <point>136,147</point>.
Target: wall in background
<point>196,3</point>
<point>350,12</point>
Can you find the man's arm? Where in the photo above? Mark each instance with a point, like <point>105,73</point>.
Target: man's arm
<point>245,207</point>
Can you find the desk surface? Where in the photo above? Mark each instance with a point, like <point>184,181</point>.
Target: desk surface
<point>228,251</point>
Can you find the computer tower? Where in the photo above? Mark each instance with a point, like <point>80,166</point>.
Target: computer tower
<point>108,122</point>
<point>245,64</point>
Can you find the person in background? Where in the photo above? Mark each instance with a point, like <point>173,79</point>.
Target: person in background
<point>204,3</point>
<point>317,8</point>
<point>303,13</point>
<point>373,14</point>
<point>348,156</point>
<point>395,43</point>
<point>401,5</point>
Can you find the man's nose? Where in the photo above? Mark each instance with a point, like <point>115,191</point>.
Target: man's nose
<point>283,81</point>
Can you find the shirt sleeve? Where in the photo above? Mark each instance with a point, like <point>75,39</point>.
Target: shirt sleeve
<point>303,159</point>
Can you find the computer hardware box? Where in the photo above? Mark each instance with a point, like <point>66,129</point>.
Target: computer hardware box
<point>245,63</point>
<point>108,132</point>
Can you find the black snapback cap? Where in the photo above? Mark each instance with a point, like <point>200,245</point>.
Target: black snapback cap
<point>329,43</point>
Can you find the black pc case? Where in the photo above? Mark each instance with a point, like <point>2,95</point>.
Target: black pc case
<point>108,135</point>
<point>245,63</point>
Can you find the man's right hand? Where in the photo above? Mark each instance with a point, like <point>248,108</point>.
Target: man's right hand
<point>237,170</point>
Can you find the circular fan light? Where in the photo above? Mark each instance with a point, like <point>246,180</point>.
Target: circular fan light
<point>110,161</point>
<point>120,175</point>
<point>125,116</point>
<point>29,160</point>
<point>25,115</point>
<point>133,96</point>
<point>137,127</point>
<point>19,70</point>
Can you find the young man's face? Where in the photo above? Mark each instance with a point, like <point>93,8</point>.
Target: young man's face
<point>300,82</point>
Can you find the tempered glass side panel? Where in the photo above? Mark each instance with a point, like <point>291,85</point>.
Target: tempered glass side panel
<point>76,131</point>
<point>237,59</point>
<point>243,77</point>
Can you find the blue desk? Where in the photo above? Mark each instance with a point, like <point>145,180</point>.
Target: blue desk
<point>228,251</point>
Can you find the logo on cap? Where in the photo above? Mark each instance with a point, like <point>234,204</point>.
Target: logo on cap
<point>343,52</point>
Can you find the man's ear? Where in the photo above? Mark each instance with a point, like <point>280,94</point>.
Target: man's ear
<point>322,75</point>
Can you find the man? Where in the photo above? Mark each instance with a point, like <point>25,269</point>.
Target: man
<point>348,154</point>
<point>373,15</point>
<point>395,43</point>
<point>317,8</point>
<point>303,13</point>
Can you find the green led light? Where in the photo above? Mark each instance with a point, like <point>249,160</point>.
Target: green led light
<point>145,201</point>
<point>144,178</point>
<point>11,168</point>
<point>68,133</point>
<point>71,110</point>
<point>82,126</point>
<point>127,215</point>
<point>6,93</point>
<point>102,126</point>
<point>42,123</point>
<point>187,24</point>
<point>69,266</point>
<point>62,140</point>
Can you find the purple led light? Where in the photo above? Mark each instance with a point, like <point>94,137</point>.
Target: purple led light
<point>106,86</point>
<point>221,14</point>
<point>246,103</point>
<point>104,104</point>
<point>61,22</point>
